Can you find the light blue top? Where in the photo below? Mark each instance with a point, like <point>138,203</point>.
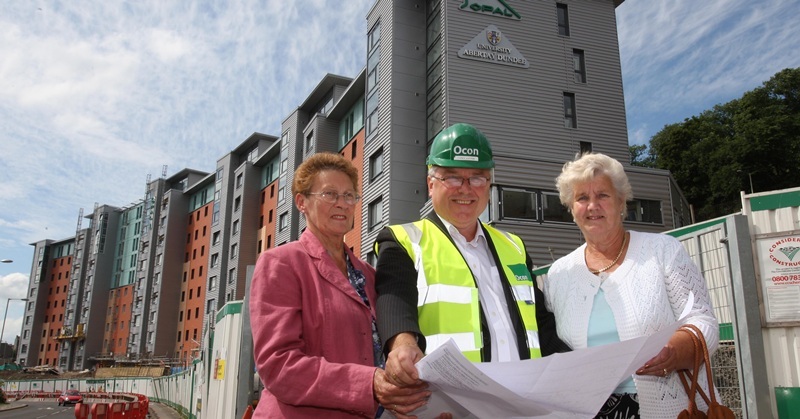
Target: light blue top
<point>603,330</point>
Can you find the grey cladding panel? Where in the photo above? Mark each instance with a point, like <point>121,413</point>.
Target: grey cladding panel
<point>523,173</point>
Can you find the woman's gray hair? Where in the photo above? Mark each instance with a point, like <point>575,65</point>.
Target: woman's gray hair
<point>585,168</point>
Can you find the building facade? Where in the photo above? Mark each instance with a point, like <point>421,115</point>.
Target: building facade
<point>541,79</point>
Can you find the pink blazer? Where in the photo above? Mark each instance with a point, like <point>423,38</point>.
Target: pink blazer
<point>312,334</point>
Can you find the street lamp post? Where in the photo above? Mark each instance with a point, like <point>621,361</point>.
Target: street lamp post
<point>749,176</point>
<point>5,316</point>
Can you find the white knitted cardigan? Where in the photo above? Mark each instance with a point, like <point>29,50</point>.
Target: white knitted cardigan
<point>646,292</point>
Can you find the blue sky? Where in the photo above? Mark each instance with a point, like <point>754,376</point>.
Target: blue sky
<point>96,95</point>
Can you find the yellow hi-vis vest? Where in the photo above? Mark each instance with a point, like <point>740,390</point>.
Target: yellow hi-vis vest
<point>448,303</point>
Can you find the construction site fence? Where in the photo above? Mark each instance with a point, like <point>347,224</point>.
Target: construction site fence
<point>102,406</point>
<point>174,391</point>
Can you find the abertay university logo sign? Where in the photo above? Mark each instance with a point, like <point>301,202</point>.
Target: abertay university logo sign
<point>492,46</point>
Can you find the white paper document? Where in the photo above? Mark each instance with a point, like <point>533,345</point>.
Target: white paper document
<point>568,385</point>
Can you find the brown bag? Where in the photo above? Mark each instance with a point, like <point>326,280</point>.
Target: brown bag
<point>689,380</point>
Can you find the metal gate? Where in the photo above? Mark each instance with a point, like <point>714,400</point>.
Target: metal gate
<point>722,250</point>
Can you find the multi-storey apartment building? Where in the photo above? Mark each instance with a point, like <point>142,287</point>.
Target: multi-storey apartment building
<point>541,79</point>
<point>39,342</point>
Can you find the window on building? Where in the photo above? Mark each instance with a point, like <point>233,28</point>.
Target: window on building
<point>570,117</point>
<point>239,180</point>
<point>553,210</point>
<point>212,283</point>
<point>285,139</point>
<point>215,214</point>
<point>376,164</point>
<point>309,141</point>
<point>237,203</point>
<point>645,211</point>
<point>214,260</point>
<point>586,147</point>
<point>352,123</point>
<point>281,194</point>
<point>518,204</point>
<point>563,19</point>
<point>215,238</point>
<point>234,251</point>
<point>284,165</point>
<point>253,154</point>
<point>232,275</point>
<point>435,118</point>
<point>210,306</point>
<point>579,65</point>
<point>375,213</point>
<point>283,221</point>
<point>235,227</point>
<point>373,59</point>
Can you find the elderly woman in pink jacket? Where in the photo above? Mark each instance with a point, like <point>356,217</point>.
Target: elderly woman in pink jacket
<point>312,311</point>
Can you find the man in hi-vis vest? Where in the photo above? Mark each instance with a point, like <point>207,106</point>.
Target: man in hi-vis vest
<point>450,276</point>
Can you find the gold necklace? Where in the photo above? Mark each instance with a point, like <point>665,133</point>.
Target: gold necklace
<point>613,262</point>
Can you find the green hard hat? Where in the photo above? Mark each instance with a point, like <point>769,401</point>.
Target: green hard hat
<point>461,145</point>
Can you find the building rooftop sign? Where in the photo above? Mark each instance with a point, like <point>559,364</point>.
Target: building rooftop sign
<point>497,8</point>
<point>492,47</point>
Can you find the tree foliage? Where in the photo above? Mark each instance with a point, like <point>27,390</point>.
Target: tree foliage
<point>640,157</point>
<point>753,140</point>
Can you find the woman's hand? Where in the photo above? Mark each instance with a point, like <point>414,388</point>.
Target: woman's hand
<point>677,354</point>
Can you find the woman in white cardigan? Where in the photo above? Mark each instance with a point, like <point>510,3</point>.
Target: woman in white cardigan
<point>622,284</point>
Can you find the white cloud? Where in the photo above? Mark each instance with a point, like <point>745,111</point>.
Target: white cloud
<point>13,285</point>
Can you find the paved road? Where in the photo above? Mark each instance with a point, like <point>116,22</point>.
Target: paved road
<point>37,409</point>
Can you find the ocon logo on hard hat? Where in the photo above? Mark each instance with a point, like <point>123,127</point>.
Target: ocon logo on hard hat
<point>465,154</point>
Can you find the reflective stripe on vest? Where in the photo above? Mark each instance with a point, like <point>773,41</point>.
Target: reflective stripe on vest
<point>448,301</point>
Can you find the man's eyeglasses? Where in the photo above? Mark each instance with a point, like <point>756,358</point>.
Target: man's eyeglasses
<point>332,197</point>
<point>457,181</point>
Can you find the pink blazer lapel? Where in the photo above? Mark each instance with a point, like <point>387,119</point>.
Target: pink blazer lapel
<point>327,268</point>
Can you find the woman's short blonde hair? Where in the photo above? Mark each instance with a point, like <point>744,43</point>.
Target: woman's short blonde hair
<point>307,172</point>
<point>585,168</point>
